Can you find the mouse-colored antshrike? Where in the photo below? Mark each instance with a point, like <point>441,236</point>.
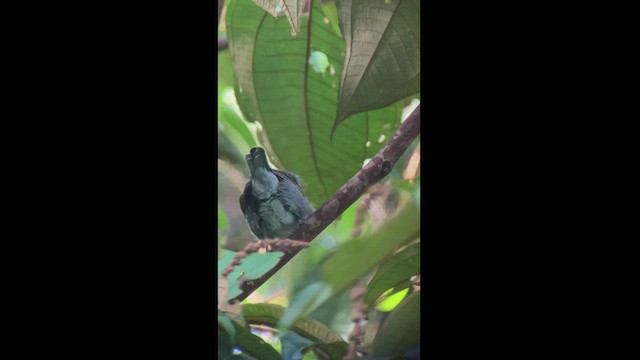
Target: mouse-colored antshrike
<point>272,202</point>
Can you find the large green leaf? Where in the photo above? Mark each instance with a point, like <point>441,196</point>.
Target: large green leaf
<point>236,129</point>
<point>400,332</point>
<point>293,343</point>
<point>226,336</point>
<point>331,15</point>
<point>270,314</point>
<point>341,270</point>
<point>254,345</point>
<point>225,68</point>
<point>295,101</point>
<point>383,54</point>
<point>394,272</point>
<point>304,302</point>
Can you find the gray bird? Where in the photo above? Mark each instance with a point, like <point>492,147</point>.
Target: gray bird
<point>272,202</point>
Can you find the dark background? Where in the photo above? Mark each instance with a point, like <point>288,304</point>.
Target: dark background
<point>117,182</point>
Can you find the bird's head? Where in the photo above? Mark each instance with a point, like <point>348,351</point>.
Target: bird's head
<point>264,182</point>
<point>257,160</point>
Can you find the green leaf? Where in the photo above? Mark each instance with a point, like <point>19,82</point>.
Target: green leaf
<point>292,9</point>
<point>231,121</point>
<point>406,184</point>
<point>225,68</point>
<point>383,54</point>
<point>241,357</point>
<point>225,344</point>
<point>331,351</point>
<point>391,301</point>
<point>335,312</point>
<point>227,150</point>
<point>222,219</point>
<point>340,271</point>
<point>270,314</point>
<point>331,13</point>
<point>226,335</point>
<point>292,345</point>
<point>254,345</point>
<point>222,226</point>
<point>304,302</point>
<point>400,331</point>
<point>277,86</point>
<point>395,271</point>
<point>252,267</point>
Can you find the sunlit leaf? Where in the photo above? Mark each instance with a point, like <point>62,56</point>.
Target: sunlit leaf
<point>295,105</point>
<point>392,301</point>
<point>382,56</point>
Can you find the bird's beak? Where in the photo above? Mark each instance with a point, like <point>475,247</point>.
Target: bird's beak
<point>257,159</point>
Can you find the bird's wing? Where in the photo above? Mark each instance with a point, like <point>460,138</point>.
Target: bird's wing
<point>290,194</point>
<point>254,222</point>
<point>281,175</point>
<point>243,198</point>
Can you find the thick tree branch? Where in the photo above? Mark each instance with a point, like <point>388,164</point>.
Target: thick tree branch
<point>379,167</point>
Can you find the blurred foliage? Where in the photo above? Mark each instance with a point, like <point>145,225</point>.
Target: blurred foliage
<point>283,93</point>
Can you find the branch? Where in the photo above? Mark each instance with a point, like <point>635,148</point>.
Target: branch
<point>359,314</point>
<point>220,6</point>
<point>375,170</point>
<point>223,43</point>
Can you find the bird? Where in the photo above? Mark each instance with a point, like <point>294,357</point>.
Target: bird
<point>272,202</point>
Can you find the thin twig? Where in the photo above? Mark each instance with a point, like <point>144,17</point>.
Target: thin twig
<point>262,244</point>
<point>373,193</point>
<point>375,170</point>
<point>359,309</point>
